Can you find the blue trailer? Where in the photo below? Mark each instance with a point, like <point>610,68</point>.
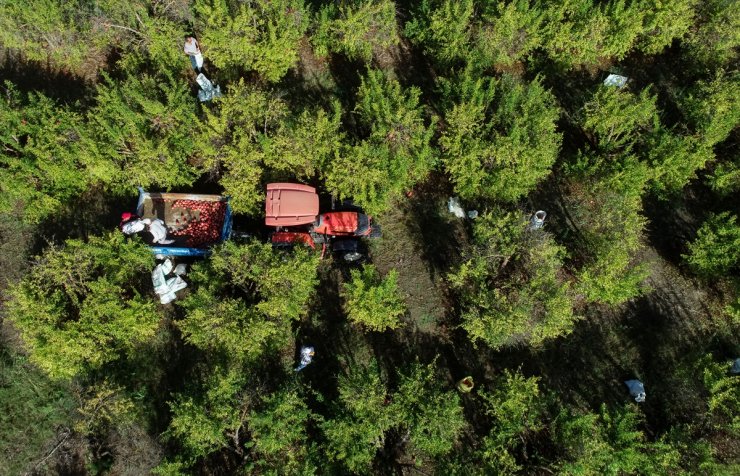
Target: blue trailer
<point>166,207</point>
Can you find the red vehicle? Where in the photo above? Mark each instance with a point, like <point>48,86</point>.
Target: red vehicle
<point>294,210</point>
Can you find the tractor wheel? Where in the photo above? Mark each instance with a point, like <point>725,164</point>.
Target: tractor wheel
<point>375,231</point>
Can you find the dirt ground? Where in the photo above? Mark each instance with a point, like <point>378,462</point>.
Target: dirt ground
<point>651,337</point>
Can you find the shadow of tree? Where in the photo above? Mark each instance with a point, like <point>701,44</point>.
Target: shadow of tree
<point>58,84</point>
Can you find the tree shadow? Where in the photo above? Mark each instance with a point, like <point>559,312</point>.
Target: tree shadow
<point>673,222</point>
<point>94,213</point>
<point>29,76</point>
<point>439,236</point>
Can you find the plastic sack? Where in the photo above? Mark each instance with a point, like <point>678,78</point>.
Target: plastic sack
<point>454,207</point>
<point>616,80</point>
<point>637,390</point>
<point>538,220</point>
<point>164,287</point>
<point>158,280</point>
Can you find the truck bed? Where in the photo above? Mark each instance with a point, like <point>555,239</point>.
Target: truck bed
<point>194,221</point>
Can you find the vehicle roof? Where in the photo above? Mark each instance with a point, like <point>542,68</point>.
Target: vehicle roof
<point>290,204</point>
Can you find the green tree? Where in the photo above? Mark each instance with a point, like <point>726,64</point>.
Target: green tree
<point>149,41</point>
<point>723,404</point>
<point>664,22</point>
<point>252,135</point>
<point>499,146</point>
<point>583,32</point>
<point>305,145</point>
<point>360,420</point>
<point>604,187</point>
<point>372,301</point>
<point>48,30</point>
<point>208,415</point>
<point>712,107</point>
<point>420,411</point>
<point>517,411</point>
<point>604,203</point>
<point>141,133</point>
<point>283,283</point>
<point>278,428</point>
<point>610,443</point>
<point>262,35</point>
<point>716,249</point>
<point>616,118</point>
<point>674,159</point>
<point>508,32</point>
<point>510,286</point>
<point>40,164</point>
<point>77,35</point>
<point>431,416</point>
<point>245,298</point>
<point>396,155</point>
<point>443,31</point>
<point>228,142</point>
<point>82,306</point>
<point>713,39</point>
<point>32,409</point>
<point>359,29</point>
<point>725,178</point>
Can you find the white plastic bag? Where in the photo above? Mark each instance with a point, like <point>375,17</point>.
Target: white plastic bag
<point>181,269</point>
<point>454,207</point>
<point>158,280</point>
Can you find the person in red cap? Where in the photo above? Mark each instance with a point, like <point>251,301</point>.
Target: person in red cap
<point>131,224</point>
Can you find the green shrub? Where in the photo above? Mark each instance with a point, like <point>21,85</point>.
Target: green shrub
<point>508,32</point>
<point>279,432</point>
<point>141,133</point>
<point>202,416</point>
<point>246,297</point>
<point>499,146</point>
<point>397,154</point>
<point>716,249</point>
<point>517,411</point>
<point>32,410</point>
<point>82,306</point>
<point>444,32</point>
<point>42,165</point>
<point>372,301</point>
<point>262,35</point>
<point>510,286</point>
<point>359,28</point>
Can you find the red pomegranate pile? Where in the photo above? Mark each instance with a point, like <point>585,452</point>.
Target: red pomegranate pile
<point>204,224</point>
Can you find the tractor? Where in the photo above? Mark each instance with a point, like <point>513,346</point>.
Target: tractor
<point>293,210</point>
